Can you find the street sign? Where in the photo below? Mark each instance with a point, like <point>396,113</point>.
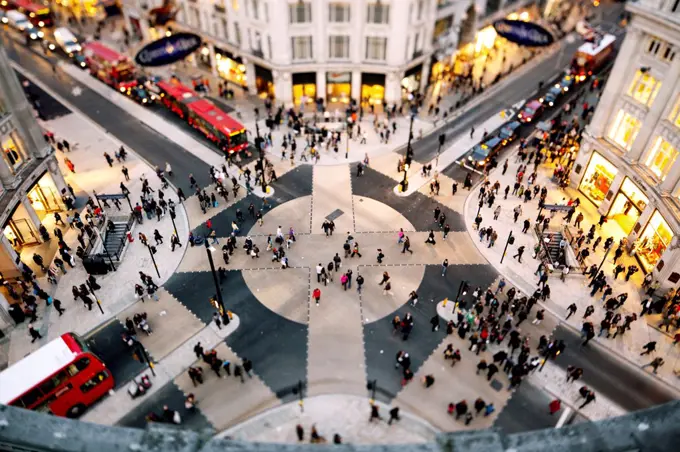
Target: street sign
<point>168,49</point>
<point>114,196</point>
<point>558,207</point>
<point>523,33</point>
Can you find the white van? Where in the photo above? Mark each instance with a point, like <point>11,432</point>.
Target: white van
<point>66,40</point>
<point>20,22</point>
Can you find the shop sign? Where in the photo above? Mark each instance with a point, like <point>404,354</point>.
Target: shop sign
<point>168,50</point>
<point>338,77</point>
<point>523,33</point>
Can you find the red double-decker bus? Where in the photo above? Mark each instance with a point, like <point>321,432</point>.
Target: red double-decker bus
<point>203,115</point>
<point>109,66</point>
<point>38,13</point>
<point>63,378</point>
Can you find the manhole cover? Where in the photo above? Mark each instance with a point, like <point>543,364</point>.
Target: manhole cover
<point>335,214</point>
<point>497,385</point>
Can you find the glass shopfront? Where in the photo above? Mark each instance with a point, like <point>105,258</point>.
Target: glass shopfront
<point>597,178</point>
<point>372,88</point>
<point>229,67</point>
<point>653,241</point>
<point>628,205</point>
<point>264,82</point>
<point>338,87</point>
<point>411,82</point>
<point>304,87</point>
<point>44,197</point>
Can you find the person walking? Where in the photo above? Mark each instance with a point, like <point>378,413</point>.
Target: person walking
<point>518,256</point>
<point>445,266</point>
<point>57,305</point>
<point>590,397</point>
<point>157,237</point>
<point>655,364</point>
<point>554,406</point>
<point>316,295</point>
<point>35,334</point>
<point>360,282</point>
<point>649,347</point>
<point>394,415</point>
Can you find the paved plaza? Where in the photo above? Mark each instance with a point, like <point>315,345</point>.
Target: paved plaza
<point>338,355</point>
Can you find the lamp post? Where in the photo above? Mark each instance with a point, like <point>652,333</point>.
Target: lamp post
<point>347,144</point>
<point>462,290</point>
<point>481,203</point>
<point>372,386</point>
<point>153,260</point>
<point>218,294</point>
<point>510,241</point>
<point>143,355</point>
<point>99,303</point>
<point>404,182</point>
<point>258,144</point>
<point>172,217</point>
<point>603,259</point>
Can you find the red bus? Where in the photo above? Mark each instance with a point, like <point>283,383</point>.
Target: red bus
<point>38,13</point>
<point>203,115</point>
<point>592,56</point>
<point>62,378</point>
<point>110,66</point>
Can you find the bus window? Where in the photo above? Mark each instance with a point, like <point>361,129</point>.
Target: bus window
<point>94,381</point>
<point>238,138</point>
<point>84,347</point>
<point>53,382</point>
<point>30,398</point>
<point>78,366</point>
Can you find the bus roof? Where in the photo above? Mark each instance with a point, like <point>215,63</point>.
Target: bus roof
<point>34,368</point>
<point>29,5</point>
<point>216,117</point>
<point>590,48</point>
<point>177,90</point>
<point>103,52</point>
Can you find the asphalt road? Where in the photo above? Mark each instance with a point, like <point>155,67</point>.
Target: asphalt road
<point>149,144</point>
<point>525,87</point>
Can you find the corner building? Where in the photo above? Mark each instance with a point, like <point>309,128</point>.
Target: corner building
<point>336,50</point>
<point>628,165</point>
<point>30,180</point>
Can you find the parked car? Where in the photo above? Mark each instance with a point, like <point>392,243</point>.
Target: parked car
<point>551,96</point>
<point>483,153</point>
<point>79,60</point>
<point>509,132</point>
<point>139,94</point>
<point>530,111</point>
<point>20,22</point>
<point>67,41</point>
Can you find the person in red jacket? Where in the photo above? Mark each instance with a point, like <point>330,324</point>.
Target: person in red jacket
<point>316,294</point>
<point>555,406</point>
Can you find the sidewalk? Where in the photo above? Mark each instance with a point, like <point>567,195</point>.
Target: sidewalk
<point>574,289</point>
<point>88,143</point>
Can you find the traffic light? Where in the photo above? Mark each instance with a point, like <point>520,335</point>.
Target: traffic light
<point>511,239</point>
<point>466,286</point>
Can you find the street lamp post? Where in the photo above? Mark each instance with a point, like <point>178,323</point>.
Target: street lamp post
<point>404,182</point>
<point>99,303</point>
<point>218,295</point>
<point>603,259</point>
<point>481,203</point>
<point>510,241</point>
<point>258,144</point>
<point>153,260</point>
<point>144,356</point>
<point>347,144</point>
<point>172,217</point>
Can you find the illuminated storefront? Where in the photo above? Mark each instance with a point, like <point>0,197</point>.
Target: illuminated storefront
<point>44,196</point>
<point>411,82</point>
<point>628,205</point>
<point>264,82</point>
<point>228,66</point>
<point>372,88</point>
<point>597,178</point>
<point>338,87</point>
<point>653,241</point>
<point>304,87</point>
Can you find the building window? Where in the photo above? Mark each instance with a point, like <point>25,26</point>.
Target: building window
<point>266,12</point>
<point>237,34</point>
<point>255,8</point>
<point>12,151</point>
<point>661,158</point>
<point>300,12</point>
<point>378,13</point>
<point>258,42</point>
<point>597,178</point>
<point>302,47</point>
<point>195,17</point>
<point>644,87</point>
<point>269,47</point>
<point>654,45</point>
<point>376,48</point>
<point>338,47</point>
<point>338,12</point>
<point>668,54</point>
<point>421,9</point>
<point>653,241</point>
<point>624,129</point>
<point>225,28</point>
<point>234,5</point>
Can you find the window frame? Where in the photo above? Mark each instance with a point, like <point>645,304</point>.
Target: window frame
<point>309,52</point>
<point>333,16</point>
<point>672,156</point>
<point>336,41</point>
<point>372,14</point>
<point>641,80</point>
<point>622,118</point>
<point>370,40</point>
<point>296,9</point>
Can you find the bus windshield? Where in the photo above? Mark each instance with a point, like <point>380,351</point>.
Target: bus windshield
<point>237,139</point>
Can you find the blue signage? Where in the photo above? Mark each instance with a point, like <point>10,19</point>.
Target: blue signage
<point>169,49</point>
<point>522,33</point>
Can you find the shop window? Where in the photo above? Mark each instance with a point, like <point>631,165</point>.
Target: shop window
<point>644,87</point>
<point>378,13</point>
<point>376,48</point>
<point>597,178</point>
<point>624,129</point>
<point>12,149</point>
<point>302,47</point>
<point>661,158</point>
<point>300,12</point>
<point>674,117</point>
<point>338,12</point>
<point>653,241</point>
<point>338,47</point>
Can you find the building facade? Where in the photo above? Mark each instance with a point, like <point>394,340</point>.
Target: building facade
<point>628,165</point>
<point>336,50</point>
<point>30,179</point>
